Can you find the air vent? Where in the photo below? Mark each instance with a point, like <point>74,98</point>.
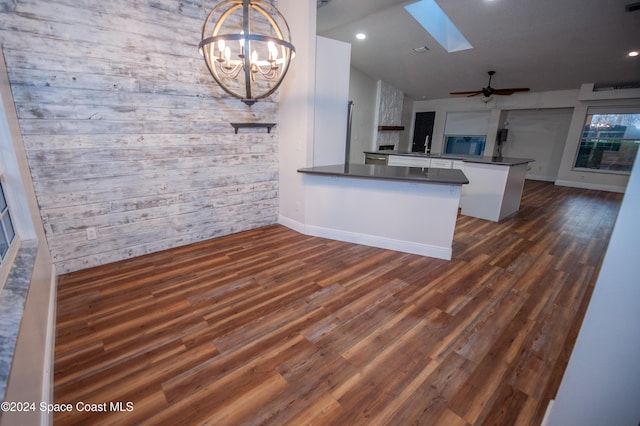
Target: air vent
<point>632,7</point>
<point>421,49</point>
<point>601,87</point>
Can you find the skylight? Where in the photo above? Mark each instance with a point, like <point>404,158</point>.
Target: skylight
<point>437,23</point>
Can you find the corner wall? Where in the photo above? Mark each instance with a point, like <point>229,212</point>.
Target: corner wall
<point>539,134</point>
<point>331,100</point>
<point>362,91</point>
<point>127,134</point>
<point>573,99</point>
<point>584,178</point>
<point>32,316</point>
<point>297,112</point>
<point>601,384</point>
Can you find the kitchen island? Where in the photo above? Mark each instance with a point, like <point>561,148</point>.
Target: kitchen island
<point>495,183</point>
<point>408,209</point>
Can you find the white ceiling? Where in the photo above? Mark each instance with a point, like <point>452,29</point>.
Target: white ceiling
<point>540,44</point>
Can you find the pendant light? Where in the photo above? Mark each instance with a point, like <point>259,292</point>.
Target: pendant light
<point>246,45</point>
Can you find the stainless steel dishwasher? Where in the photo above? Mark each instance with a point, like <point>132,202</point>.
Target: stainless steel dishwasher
<point>370,158</point>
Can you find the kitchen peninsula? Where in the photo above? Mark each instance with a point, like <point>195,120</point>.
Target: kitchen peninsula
<point>495,183</point>
<point>399,208</point>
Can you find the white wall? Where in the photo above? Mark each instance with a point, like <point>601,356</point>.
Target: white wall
<point>362,91</point>
<point>601,385</point>
<point>376,102</point>
<point>540,134</point>
<point>31,371</point>
<point>9,164</point>
<point>333,60</point>
<point>143,154</point>
<point>474,123</point>
<point>442,107</point>
<point>467,123</point>
<point>565,99</point>
<point>296,108</point>
<point>406,137</point>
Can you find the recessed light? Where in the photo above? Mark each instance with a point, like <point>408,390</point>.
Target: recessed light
<point>361,36</point>
<point>633,53</point>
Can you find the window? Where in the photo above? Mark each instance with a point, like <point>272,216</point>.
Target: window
<point>7,233</point>
<point>465,145</point>
<point>609,143</point>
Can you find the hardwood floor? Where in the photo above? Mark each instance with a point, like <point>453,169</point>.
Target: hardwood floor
<point>274,327</point>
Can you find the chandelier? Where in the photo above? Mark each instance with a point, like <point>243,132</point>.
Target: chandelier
<point>247,47</point>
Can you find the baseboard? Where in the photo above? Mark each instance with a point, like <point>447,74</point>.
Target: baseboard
<point>545,419</point>
<point>574,184</point>
<point>586,185</point>
<point>540,177</point>
<point>47,381</point>
<point>368,240</point>
<point>291,224</point>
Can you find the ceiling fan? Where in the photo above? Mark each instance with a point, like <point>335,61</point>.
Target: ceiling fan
<point>488,91</point>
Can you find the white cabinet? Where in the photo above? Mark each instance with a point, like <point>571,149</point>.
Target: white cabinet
<point>419,161</point>
<point>494,191</point>
<point>407,161</point>
<point>441,163</point>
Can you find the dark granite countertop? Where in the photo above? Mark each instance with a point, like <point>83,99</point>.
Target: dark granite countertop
<point>393,173</point>
<point>501,161</point>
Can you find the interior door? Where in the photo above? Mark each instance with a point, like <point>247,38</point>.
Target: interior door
<point>422,129</point>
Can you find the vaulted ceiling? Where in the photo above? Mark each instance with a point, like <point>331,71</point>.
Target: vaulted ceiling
<point>540,44</point>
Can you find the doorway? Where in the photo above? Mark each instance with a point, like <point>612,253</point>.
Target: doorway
<point>423,131</point>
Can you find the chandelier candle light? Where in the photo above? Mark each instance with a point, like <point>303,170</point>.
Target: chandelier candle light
<point>248,55</point>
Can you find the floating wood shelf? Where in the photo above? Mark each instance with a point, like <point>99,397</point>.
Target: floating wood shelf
<point>237,126</point>
<point>390,128</point>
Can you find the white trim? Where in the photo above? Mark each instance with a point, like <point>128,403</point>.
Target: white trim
<point>587,93</point>
<point>46,419</point>
<point>7,262</point>
<point>369,240</point>
<point>541,178</point>
<point>292,224</point>
<point>14,244</point>
<point>545,419</point>
<point>586,185</point>
<point>598,171</point>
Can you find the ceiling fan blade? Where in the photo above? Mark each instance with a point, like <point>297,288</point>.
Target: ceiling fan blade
<point>489,91</point>
<point>471,93</point>
<point>510,91</point>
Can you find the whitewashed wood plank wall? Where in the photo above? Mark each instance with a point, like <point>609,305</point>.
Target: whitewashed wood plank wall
<point>126,131</point>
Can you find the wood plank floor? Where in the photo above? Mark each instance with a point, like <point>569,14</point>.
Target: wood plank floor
<point>274,327</point>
